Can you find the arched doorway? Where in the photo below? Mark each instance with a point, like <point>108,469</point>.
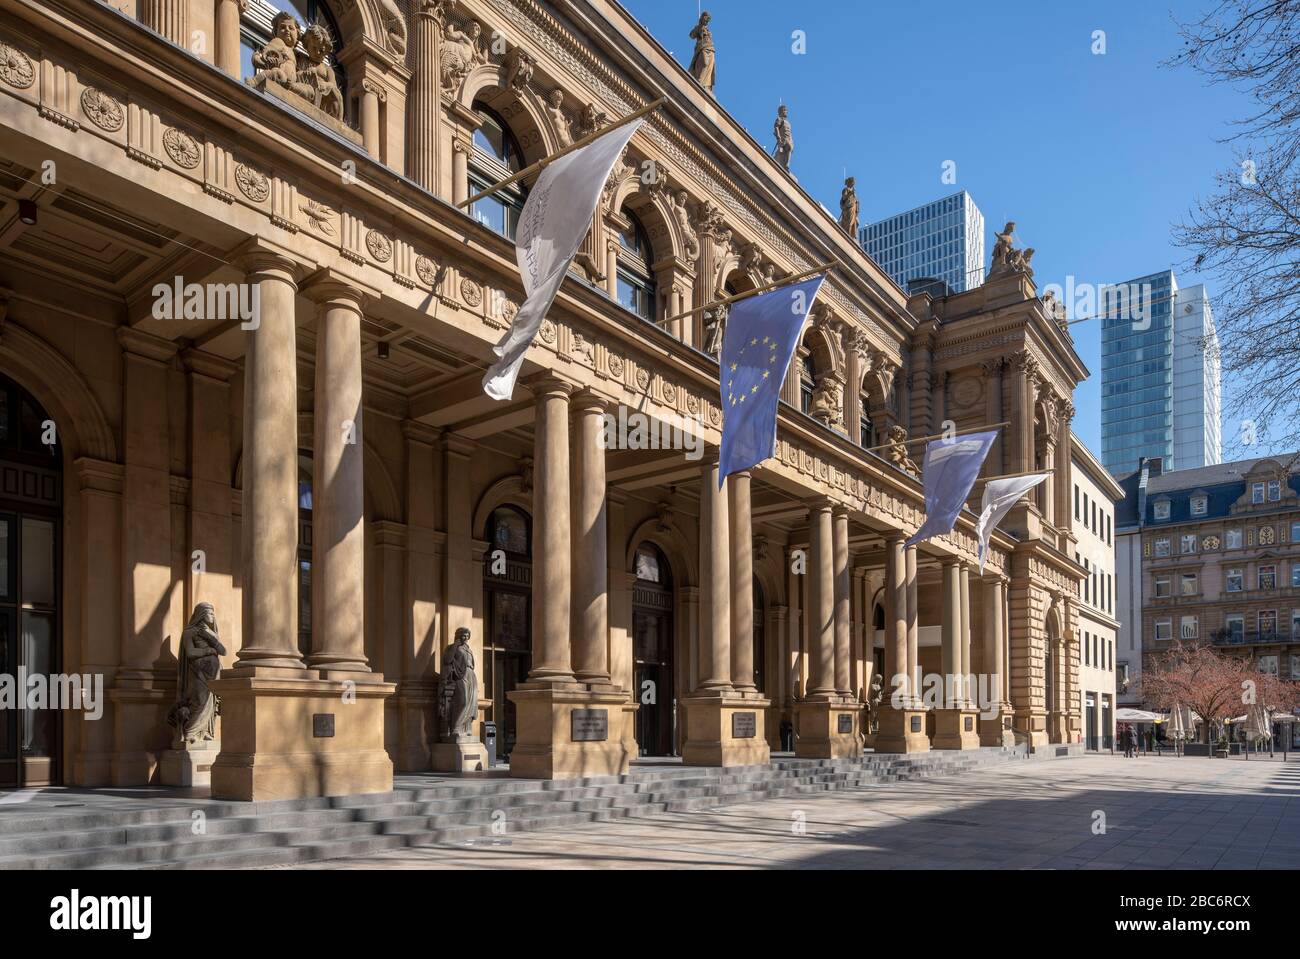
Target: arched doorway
<point>652,653</point>
<point>31,510</point>
<point>507,595</point>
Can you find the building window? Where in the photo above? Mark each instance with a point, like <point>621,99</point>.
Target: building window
<point>1266,622</point>
<point>1187,543</point>
<point>1295,667</point>
<point>1164,629</point>
<point>648,569</point>
<point>807,383</point>
<point>1200,505</point>
<point>1162,509</point>
<point>1087,650</point>
<point>866,429</point>
<point>1189,584</point>
<point>1235,626</point>
<point>1295,574</point>
<point>1076,501</point>
<point>1121,673</point>
<point>1235,581</point>
<point>636,285</point>
<point>1295,634</point>
<point>1162,546</point>
<point>1110,654</point>
<point>1232,539</point>
<point>1162,587</point>
<point>1267,577</point>
<point>1187,627</point>
<point>1268,664</point>
<point>1295,532</point>
<point>1257,493</point>
<point>496,155</point>
<point>1274,490</point>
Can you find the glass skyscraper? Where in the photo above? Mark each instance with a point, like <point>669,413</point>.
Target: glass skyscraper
<point>942,240</point>
<point>1160,391</point>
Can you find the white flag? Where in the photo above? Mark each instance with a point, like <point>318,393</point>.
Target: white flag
<point>999,496</point>
<point>556,218</point>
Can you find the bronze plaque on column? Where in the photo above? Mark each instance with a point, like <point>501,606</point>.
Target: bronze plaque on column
<point>846,723</point>
<point>916,724</point>
<point>969,723</point>
<point>322,725</point>
<point>589,725</point>
<point>744,725</point>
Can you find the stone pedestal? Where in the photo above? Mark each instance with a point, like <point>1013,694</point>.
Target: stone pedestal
<point>725,730</point>
<point>820,733</point>
<point>287,737</point>
<point>189,766</point>
<point>466,757</point>
<point>553,743</point>
<point>956,729</point>
<point>997,731</point>
<point>902,731</point>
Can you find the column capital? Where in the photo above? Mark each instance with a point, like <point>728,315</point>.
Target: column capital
<point>548,384</point>
<point>895,536</point>
<point>146,345</point>
<point>214,367</point>
<point>587,400</point>
<point>328,286</point>
<point>740,474</point>
<point>840,509</point>
<point>259,255</point>
<point>818,504</point>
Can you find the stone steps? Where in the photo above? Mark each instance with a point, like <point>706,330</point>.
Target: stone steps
<point>442,814</point>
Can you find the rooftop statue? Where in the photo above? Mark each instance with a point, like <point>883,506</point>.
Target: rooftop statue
<point>703,65</point>
<point>849,207</point>
<point>784,137</point>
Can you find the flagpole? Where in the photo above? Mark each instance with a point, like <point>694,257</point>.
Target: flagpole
<point>941,436</point>
<point>576,145</point>
<point>989,479</point>
<point>824,268</point>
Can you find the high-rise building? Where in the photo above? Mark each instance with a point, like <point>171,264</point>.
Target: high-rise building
<point>1159,375</point>
<point>942,240</point>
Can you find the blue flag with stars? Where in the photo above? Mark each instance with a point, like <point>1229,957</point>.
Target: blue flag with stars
<point>761,336</point>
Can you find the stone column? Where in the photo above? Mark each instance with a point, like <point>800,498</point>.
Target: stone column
<point>821,602</point>
<point>338,481</point>
<point>913,625</point>
<point>963,578</point>
<point>228,55</point>
<point>951,630</point>
<point>270,469</point>
<point>371,135</point>
<point>552,544</point>
<point>715,582</point>
<point>996,731</point>
<point>460,150</point>
<point>590,544</point>
<point>167,17</point>
<point>424,105</point>
<point>742,584</point>
<point>896,618</point>
<point>842,604</point>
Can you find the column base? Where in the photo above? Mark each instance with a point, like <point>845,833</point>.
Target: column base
<point>546,747</point>
<point>1033,726</point>
<point>902,731</point>
<point>292,738</point>
<point>997,731</point>
<point>956,729</point>
<point>468,757</point>
<point>725,730</point>
<point>821,733</point>
<point>188,767</point>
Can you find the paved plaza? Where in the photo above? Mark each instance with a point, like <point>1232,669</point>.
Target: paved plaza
<point>1159,813</point>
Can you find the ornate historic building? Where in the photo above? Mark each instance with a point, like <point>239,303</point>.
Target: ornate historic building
<point>240,283</point>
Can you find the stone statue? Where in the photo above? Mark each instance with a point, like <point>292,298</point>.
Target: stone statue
<point>715,327</point>
<point>683,214</point>
<point>198,663</point>
<point>849,207</point>
<point>703,67</point>
<point>563,126</point>
<point>461,53</point>
<point>518,70</point>
<point>897,451</point>
<point>458,691</point>
<point>277,61</point>
<point>1019,261</point>
<point>316,80</point>
<point>1005,244</point>
<point>784,137</point>
<point>590,119</point>
<point>394,26</point>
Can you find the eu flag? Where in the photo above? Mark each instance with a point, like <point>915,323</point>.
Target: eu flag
<point>761,336</point>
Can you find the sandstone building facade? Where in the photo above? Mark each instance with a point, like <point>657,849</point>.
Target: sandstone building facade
<point>335,483</point>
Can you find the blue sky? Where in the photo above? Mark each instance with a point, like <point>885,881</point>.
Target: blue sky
<point>1094,156</point>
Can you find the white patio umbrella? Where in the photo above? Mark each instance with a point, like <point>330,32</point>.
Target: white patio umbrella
<point>1128,715</point>
<point>1177,722</point>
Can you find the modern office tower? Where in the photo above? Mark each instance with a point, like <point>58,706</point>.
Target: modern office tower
<point>942,240</point>
<point>1160,392</point>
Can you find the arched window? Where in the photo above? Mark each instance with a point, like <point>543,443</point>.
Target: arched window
<point>807,383</point>
<point>255,32</point>
<point>864,421</point>
<point>508,530</point>
<point>636,285</point>
<point>496,155</point>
